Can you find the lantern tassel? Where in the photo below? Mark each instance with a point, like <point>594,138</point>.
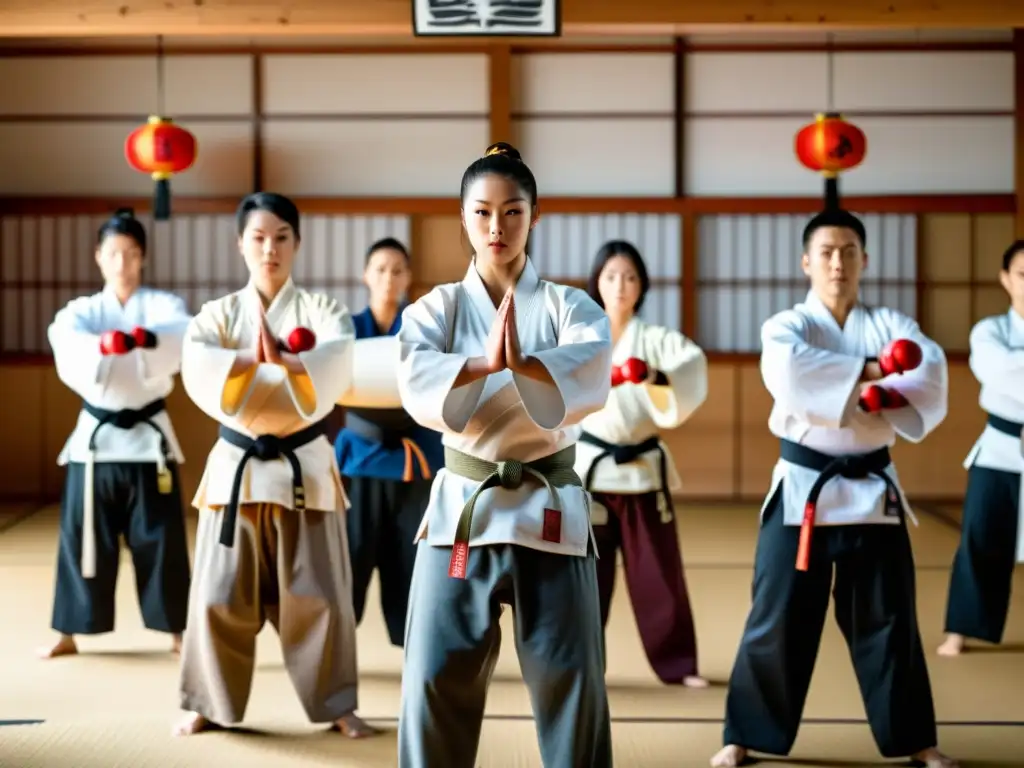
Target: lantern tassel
<point>832,193</point>
<point>162,200</point>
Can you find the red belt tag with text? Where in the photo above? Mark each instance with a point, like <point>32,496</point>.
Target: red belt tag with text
<point>460,558</point>
<point>552,525</point>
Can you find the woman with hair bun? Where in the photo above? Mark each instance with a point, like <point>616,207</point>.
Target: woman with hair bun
<point>504,365</point>
<point>119,350</point>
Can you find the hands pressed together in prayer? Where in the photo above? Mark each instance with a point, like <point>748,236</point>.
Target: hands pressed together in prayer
<point>502,350</point>
<point>267,348</point>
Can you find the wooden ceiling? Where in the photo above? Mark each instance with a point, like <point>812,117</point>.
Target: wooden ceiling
<point>277,18</point>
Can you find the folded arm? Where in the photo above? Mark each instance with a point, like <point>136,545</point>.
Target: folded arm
<point>430,379</point>
<point>995,364</point>
<point>225,383</point>
<point>925,388</point>
<point>685,369</point>
<point>76,351</point>
<point>817,385</point>
<point>164,360</point>
<point>578,365</point>
<point>374,381</point>
<point>317,378</point>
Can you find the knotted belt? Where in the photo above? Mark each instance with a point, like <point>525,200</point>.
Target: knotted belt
<point>852,467</point>
<point>365,427</point>
<point>623,454</point>
<point>553,471</point>
<point>126,418</point>
<point>266,448</point>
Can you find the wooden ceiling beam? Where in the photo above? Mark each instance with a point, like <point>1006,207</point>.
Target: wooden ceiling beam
<point>67,18</point>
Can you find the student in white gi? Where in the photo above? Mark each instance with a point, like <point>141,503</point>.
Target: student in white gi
<point>659,378</point>
<point>119,351</point>
<point>269,362</point>
<point>992,539</point>
<point>846,379</point>
<point>504,365</point>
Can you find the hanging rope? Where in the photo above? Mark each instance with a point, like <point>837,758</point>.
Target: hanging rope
<point>160,75</point>
<point>830,72</point>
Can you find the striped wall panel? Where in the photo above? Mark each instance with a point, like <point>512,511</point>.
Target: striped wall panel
<point>749,269</point>
<point>47,261</point>
<point>563,248</point>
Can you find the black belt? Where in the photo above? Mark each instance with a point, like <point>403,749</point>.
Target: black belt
<point>623,454</point>
<point>386,434</point>
<point>851,467</point>
<point>127,418</point>
<point>1007,427</point>
<point>266,448</point>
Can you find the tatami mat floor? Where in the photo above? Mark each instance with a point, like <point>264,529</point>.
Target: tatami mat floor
<point>112,706</point>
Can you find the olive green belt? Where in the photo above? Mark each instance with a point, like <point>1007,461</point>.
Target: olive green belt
<point>553,471</point>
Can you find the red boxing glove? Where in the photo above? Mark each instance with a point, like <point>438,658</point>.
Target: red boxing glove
<point>899,356</point>
<point>876,398</point>
<point>618,378</point>
<point>301,340</point>
<point>144,339</point>
<point>116,343</point>
<point>635,370</point>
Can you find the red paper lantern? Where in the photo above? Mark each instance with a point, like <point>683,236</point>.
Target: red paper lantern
<point>830,145</point>
<point>161,149</point>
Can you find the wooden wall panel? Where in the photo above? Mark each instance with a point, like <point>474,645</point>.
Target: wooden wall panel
<point>724,452</point>
<point>705,448</point>
<point>442,252</point>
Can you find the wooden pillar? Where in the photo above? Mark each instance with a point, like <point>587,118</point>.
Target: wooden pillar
<point>500,61</point>
<point>1018,111</point>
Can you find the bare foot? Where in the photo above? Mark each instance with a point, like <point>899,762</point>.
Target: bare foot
<point>176,644</point>
<point>64,647</point>
<point>695,681</point>
<point>953,645</point>
<point>193,723</point>
<point>932,758</point>
<point>733,756</point>
<point>354,727</point>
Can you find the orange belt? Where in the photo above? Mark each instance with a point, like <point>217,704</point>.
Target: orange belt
<point>413,453</point>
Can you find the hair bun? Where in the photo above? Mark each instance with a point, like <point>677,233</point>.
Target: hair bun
<point>503,148</point>
<point>124,213</point>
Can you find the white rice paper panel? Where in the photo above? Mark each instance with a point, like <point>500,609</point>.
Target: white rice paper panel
<point>87,159</point>
<point>593,83</point>
<point>768,248</point>
<point>563,246</point>
<point>421,157</point>
<point>755,82</point>
<point>924,81</point>
<point>618,157</point>
<point>48,260</point>
<point>664,306</point>
<point>126,85</point>
<point>906,155</point>
<point>376,84</point>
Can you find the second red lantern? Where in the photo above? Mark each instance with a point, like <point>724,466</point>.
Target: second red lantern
<point>830,145</point>
<point>161,149</point>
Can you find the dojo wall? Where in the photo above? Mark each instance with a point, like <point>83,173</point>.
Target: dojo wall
<point>686,152</point>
